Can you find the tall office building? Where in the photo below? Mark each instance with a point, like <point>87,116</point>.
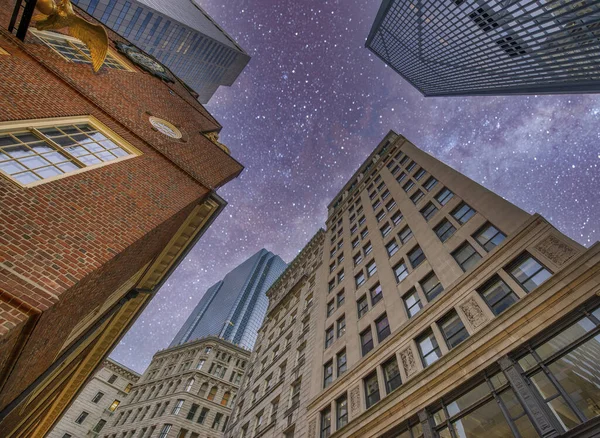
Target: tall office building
<point>95,406</point>
<point>179,34</point>
<point>186,392</point>
<point>431,307</point>
<point>106,182</point>
<point>491,47</point>
<point>234,308</point>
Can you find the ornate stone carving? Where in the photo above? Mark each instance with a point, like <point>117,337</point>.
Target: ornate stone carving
<point>556,250</point>
<point>473,312</point>
<point>312,428</point>
<point>354,400</point>
<point>408,361</point>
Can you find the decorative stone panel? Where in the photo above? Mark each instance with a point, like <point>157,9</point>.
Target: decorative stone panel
<point>556,250</point>
<point>354,400</point>
<point>473,312</point>
<point>408,361</point>
<point>312,428</point>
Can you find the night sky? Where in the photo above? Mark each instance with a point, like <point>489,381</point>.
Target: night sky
<point>311,106</point>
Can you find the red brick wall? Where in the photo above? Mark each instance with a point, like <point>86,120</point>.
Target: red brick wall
<point>66,245</point>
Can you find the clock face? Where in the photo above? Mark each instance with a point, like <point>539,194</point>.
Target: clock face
<point>165,127</point>
<point>144,60</point>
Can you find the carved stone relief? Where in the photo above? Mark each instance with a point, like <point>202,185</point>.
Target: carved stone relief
<point>408,361</point>
<point>354,400</point>
<point>556,250</point>
<point>473,312</point>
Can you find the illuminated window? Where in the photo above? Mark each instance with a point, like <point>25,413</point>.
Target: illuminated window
<point>74,50</point>
<point>32,152</point>
<point>114,405</point>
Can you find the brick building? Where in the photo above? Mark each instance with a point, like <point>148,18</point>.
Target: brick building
<point>106,181</point>
<point>186,392</point>
<point>433,308</point>
<point>95,406</point>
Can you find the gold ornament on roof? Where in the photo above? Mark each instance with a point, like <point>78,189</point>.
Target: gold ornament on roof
<point>58,15</point>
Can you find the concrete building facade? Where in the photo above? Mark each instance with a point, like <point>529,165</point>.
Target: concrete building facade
<point>95,405</point>
<point>179,34</point>
<point>106,182</point>
<point>490,47</point>
<point>439,310</point>
<point>233,309</point>
<point>186,392</point>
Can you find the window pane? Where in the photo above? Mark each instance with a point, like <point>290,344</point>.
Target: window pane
<point>416,256</point>
<point>468,399</point>
<point>466,256</point>
<point>463,213</point>
<point>428,346</point>
<point>489,237</point>
<point>400,271</point>
<point>444,230</point>
<point>431,286</point>
<point>391,374</point>
<point>498,296</point>
<point>529,273</point>
<point>482,422</point>
<point>564,338</point>
<point>453,329</point>
<point>413,303</point>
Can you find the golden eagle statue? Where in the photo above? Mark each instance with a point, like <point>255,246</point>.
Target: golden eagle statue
<point>58,14</point>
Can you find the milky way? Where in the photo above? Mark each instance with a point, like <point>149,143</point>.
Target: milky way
<point>310,107</point>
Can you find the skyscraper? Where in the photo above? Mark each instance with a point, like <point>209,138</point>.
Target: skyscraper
<point>178,33</point>
<point>233,308</point>
<point>491,47</point>
<point>431,307</point>
<point>106,182</point>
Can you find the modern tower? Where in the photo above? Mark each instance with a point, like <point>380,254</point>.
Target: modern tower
<point>430,307</point>
<point>233,308</point>
<point>179,34</point>
<point>491,47</point>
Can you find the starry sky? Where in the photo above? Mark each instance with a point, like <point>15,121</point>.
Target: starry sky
<point>310,107</point>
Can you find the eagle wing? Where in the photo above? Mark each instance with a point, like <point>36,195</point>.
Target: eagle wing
<point>94,36</point>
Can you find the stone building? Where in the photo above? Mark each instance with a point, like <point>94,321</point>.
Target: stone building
<point>106,181</point>
<point>95,405</point>
<point>186,392</point>
<point>440,310</point>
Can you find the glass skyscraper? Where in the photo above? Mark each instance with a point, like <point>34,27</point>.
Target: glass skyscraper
<point>491,47</point>
<point>178,33</point>
<point>234,308</point>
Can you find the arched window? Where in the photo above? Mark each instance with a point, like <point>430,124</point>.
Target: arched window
<point>189,385</point>
<point>225,399</point>
<point>212,393</point>
<point>203,390</point>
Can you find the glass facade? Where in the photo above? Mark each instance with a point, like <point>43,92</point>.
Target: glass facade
<point>490,47</point>
<point>180,35</point>
<point>234,308</point>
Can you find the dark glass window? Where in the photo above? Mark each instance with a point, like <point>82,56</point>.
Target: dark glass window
<point>401,177</point>
<point>431,286</point>
<point>489,237</point>
<point>355,243</point>
<point>385,195</point>
<point>327,374</point>
<point>417,196</point>
<point>391,374</point>
<point>444,196</point>
<point>367,249</point>
<point>405,235</point>
<point>444,230</point>
<point>341,411</point>
<point>362,220</point>
<point>359,279</point>
<point>364,233</point>
<point>392,248</point>
<point>390,205</point>
<point>366,341</point>
<point>380,215</point>
<point>412,303</point>
<point>357,259</point>
<point>428,348</point>
<point>363,306</point>
<point>383,327</point>
<point>340,298</point>
<point>376,204</point>
<point>463,213</point>
<point>397,218</point>
<point>528,272</point>
<point>376,294</point>
<point>329,337</point>
<point>326,423</point>
<point>400,271</point>
<point>429,211</point>
<point>416,256</point>
<point>342,364</point>
<point>498,295</point>
<point>453,329</point>
<point>419,174</point>
<point>430,183</point>
<point>330,308</point>
<point>410,166</point>
<point>409,185</point>
<point>371,389</point>
<point>386,229</point>
<point>466,256</point>
<point>395,170</point>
